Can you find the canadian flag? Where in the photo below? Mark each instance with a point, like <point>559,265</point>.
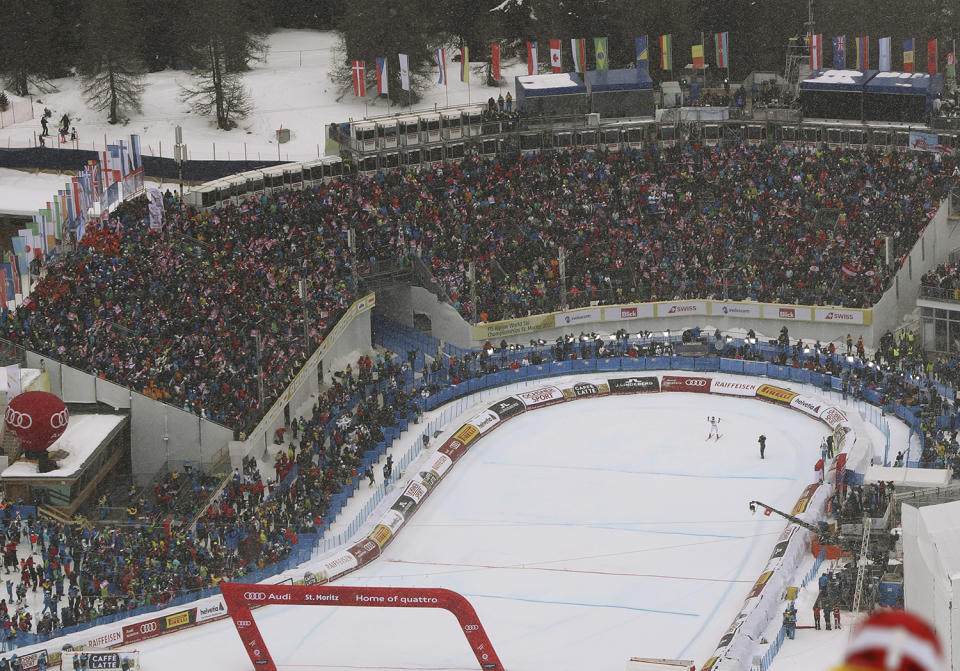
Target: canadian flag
<point>555,56</point>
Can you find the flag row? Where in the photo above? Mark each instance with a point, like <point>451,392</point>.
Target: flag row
<point>861,55</point>
<point>578,55</point>
<point>115,174</point>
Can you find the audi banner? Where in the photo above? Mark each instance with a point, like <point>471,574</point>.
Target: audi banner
<point>633,385</point>
<point>141,631</point>
<point>695,385</point>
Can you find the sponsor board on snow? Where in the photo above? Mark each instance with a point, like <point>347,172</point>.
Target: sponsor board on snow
<point>178,619</point>
<point>138,631</point>
<point>404,505</point>
<point>541,396</point>
<point>485,421</point>
<point>641,311</point>
<point>584,316</point>
<point>441,464</point>
<point>211,611</point>
<point>681,309</point>
<point>365,551</point>
<point>585,389</point>
<point>453,448</point>
<point>633,385</point>
<point>696,385</point>
<point>380,535</point>
<point>507,407</point>
<point>466,434</point>
<point>392,520</point>
<point>801,505</point>
<point>832,416</point>
<point>759,584</point>
<point>339,563</point>
<point>778,394</point>
<point>807,404</point>
<point>838,316</point>
<point>734,388</point>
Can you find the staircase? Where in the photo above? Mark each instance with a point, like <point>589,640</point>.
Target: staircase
<point>861,567</point>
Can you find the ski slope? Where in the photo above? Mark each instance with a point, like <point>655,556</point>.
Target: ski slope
<point>583,534</point>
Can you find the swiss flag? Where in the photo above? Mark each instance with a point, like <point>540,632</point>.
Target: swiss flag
<point>555,59</point>
<point>767,512</point>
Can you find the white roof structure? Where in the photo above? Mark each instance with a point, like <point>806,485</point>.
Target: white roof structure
<point>943,525</point>
<point>550,81</point>
<point>83,436</point>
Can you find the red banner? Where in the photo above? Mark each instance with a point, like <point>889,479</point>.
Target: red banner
<point>694,385</point>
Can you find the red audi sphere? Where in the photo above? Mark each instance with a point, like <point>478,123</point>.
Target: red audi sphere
<point>37,419</point>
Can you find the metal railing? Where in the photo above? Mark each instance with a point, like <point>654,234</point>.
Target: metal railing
<point>939,294</point>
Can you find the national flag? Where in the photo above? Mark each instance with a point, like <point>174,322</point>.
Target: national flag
<point>863,53</point>
<point>135,158</point>
<point>951,65</point>
<point>908,55</point>
<point>666,52</point>
<point>643,56</point>
<point>600,52</point>
<point>495,60</point>
<point>885,59</point>
<point>839,53</point>
<point>115,162</point>
<point>9,293</point>
<point>722,44</point>
<point>383,87</point>
<point>3,283</point>
<point>15,273</point>
<point>696,53</point>
<point>932,57</point>
<point>532,58</point>
<point>767,511</point>
<point>556,57</point>
<point>404,72</point>
<point>442,66</point>
<point>465,64</point>
<point>816,52</point>
<point>21,250</point>
<point>579,48</point>
<point>848,270</point>
<point>359,80</point>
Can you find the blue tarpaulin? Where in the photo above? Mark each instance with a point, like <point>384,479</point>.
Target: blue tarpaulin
<point>618,80</point>
<point>837,80</point>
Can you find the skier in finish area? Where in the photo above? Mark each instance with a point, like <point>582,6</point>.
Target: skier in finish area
<point>714,428</point>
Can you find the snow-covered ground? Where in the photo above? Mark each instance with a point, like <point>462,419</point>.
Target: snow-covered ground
<point>583,534</point>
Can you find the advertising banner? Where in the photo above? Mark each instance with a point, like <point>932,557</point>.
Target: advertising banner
<point>453,448</point>
<point>380,535</point>
<point>734,309</point>
<point>507,407</point>
<point>180,619</point>
<point>681,309</point>
<point>586,389</point>
<point>466,434</point>
<point>392,520</point>
<point>619,313</point>
<point>211,611</point>
<point>31,661</point>
<point>808,405</point>
<point>839,315</point>
<point>787,312</point>
<point>800,506</point>
<point>778,394</point>
<point>365,551</point>
<point>140,631</point>
<point>926,142</point>
<point>734,388</point>
<point>404,505</point>
<point>574,317</point>
<point>694,385</point>
<point>512,327</point>
<point>832,416</point>
<point>440,464</point>
<point>107,640</point>
<point>338,564</point>
<point>633,385</point>
<point>485,421</point>
<point>541,396</point>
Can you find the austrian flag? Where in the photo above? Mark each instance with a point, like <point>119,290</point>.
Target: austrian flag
<point>848,269</point>
<point>359,81</point>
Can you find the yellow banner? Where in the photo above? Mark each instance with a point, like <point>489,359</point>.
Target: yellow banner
<point>776,393</point>
<point>467,433</point>
<point>381,534</point>
<point>178,620</point>
<point>512,327</point>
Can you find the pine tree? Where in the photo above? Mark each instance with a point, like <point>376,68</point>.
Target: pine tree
<point>109,62</point>
<point>25,39</point>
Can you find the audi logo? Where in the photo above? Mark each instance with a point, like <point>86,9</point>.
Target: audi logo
<point>471,627</point>
<point>148,627</point>
<point>255,596</point>
<point>244,623</point>
<point>18,420</point>
<point>59,420</point>
<point>695,383</point>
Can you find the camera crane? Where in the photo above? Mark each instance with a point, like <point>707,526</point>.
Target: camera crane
<point>824,537</point>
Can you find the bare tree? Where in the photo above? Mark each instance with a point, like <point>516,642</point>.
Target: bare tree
<point>25,38</point>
